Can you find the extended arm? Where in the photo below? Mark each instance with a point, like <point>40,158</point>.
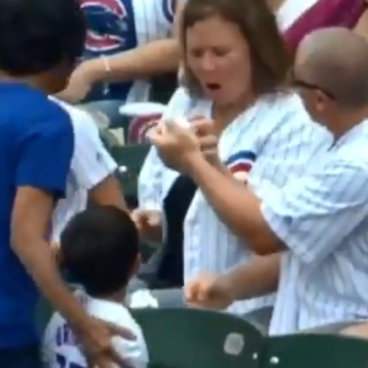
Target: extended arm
<point>45,152</point>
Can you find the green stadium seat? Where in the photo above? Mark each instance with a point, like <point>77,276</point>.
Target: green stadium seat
<point>195,338</point>
<point>315,351</point>
<point>132,158</point>
<point>163,87</point>
<point>109,139</point>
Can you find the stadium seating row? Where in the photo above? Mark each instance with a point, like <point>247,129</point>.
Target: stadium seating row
<point>195,338</point>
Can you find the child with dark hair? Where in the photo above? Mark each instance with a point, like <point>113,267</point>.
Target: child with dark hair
<point>41,39</point>
<point>100,249</point>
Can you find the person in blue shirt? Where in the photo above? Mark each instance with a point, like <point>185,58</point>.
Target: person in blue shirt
<point>38,51</point>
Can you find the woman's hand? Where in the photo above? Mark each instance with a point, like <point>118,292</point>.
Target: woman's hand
<point>209,291</point>
<point>208,140</point>
<point>148,224</point>
<point>176,146</point>
<point>96,337</point>
<point>356,330</point>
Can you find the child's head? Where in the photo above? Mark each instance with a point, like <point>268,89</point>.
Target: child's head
<point>41,39</point>
<point>100,248</point>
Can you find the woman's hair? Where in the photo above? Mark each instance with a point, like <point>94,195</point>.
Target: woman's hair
<point>270,60</point>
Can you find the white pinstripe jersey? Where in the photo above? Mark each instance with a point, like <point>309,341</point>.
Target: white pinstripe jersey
<point>275,139</point>
<point>322,218</point>
<point>61,350</point>
<point>90,165</point>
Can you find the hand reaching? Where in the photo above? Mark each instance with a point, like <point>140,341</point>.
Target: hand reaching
<point>148,224</point>
<point>177,146</point>
<point>208,291</point>
<point>208,140</point>
<point>80,82</point>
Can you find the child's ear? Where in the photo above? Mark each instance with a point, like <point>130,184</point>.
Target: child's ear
<point>136,265</point>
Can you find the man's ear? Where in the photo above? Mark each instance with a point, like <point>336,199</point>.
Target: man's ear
<point>321,101</point>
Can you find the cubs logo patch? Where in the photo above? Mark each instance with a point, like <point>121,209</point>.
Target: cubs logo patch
<point>140,126</point>
<point>240,164</point>
<point>106,23</point>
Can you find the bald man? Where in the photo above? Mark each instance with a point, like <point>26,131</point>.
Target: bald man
<point>331,75</point>
<point>311,235</point>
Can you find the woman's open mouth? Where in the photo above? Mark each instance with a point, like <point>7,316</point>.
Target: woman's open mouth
<point>213,86</point>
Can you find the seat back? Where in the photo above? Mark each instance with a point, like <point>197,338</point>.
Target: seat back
<point>131,157</point>
<point>163,87</point>
<point>140,126</point>
<point>317,351</point>
<point>194,338</point>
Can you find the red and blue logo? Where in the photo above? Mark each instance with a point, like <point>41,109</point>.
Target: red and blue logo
<point>140,126</point>
<point>240,164</point>
<point>106,24</point>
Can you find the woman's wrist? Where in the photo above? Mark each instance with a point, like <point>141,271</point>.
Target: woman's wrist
<point>96,70</point>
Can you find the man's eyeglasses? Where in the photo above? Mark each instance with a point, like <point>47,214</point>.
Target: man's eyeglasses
<point>296,82</point>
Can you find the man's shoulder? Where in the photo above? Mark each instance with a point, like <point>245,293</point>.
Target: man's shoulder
<point>22,101</point>
<point>16,96</point>
<point>289,113</point>
<point>286,104</point>
<point>31,112</point>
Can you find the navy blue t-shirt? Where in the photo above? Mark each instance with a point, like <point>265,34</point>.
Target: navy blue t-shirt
<point>36,147</point>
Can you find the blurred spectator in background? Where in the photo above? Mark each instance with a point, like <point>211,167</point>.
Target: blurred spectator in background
<point>298,18</point>
<point>128,42</point>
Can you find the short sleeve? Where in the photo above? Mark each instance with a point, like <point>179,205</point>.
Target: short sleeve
<point>91,162</point>
<point>289,141</point>
<point>45,151</point>
<point>313,215</point>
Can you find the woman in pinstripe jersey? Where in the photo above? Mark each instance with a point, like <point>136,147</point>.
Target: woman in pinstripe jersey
<point>235,69</point>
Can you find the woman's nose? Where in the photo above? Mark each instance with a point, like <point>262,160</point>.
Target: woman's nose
<point>208,62</point>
